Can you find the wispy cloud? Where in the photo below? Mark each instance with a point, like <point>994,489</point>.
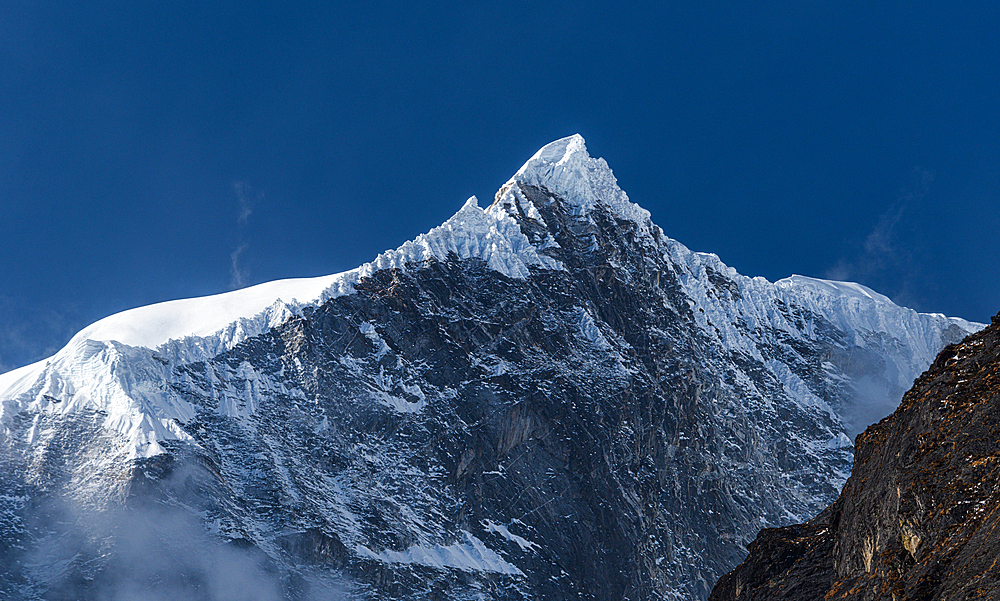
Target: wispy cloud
<point>239,275</point>
<point>890,259</point>
<point>248,198</point>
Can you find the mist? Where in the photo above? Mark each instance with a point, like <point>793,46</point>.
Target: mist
<point>152,552</point>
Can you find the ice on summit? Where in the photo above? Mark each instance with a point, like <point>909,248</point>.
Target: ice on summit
<point>565,168</point>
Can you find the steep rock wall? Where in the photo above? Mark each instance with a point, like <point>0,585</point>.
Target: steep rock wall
<point>919,518</point>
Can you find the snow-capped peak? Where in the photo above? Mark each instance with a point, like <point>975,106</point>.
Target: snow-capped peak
<point>318,432</point>
<point>565,169</point>
<point>87,373</point>
<point>568,151</point>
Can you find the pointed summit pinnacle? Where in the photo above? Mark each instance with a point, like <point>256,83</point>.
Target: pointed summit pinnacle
<point>562,152</point>
<point>565,169</point>
<point>562,167</point>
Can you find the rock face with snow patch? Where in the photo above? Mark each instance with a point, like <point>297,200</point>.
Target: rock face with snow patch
<point>544,399</point>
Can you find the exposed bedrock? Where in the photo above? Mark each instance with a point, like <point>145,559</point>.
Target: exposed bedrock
<point>919,518</point>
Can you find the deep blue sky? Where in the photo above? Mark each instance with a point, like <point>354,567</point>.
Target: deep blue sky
<point>142,144</point>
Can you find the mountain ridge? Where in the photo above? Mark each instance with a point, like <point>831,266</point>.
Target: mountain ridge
<point>552,368</point>
<point>563,164</point>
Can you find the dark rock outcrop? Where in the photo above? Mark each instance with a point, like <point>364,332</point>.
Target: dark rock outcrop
<point>919,518</point>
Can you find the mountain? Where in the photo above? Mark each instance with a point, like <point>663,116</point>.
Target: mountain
<point>919,515</point>
<point>544,399</point>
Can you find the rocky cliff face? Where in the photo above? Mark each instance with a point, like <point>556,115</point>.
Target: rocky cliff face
<point>544,399</point>
<point>919,518</point>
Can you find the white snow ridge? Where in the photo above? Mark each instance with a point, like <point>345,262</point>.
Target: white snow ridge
<point>82,374</point>
<point>198,328</point>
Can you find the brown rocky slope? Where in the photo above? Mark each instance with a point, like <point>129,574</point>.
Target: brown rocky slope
<point>919,518</point>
